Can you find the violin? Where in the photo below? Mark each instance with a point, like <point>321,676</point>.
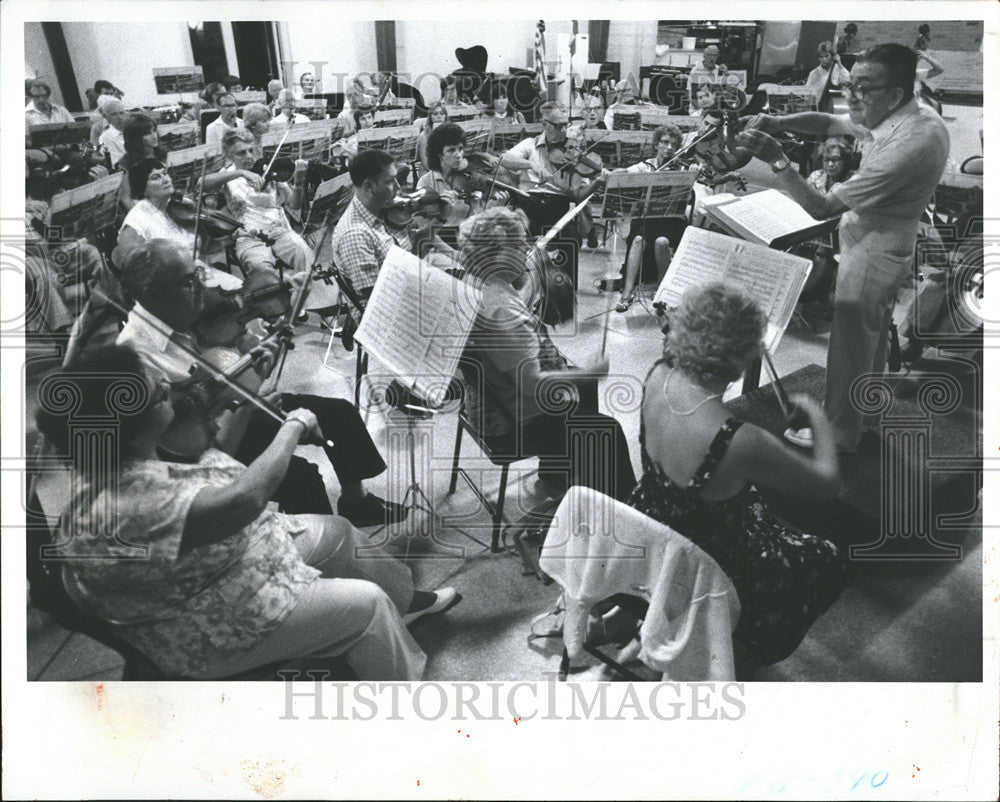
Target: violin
<point>198,400</point>
<point>263,295</point>
<point>216,224</point>
<point>398,214</point>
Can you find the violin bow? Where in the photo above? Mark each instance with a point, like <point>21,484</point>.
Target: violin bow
<point>197,210</point>
<point>779,390</point>
<point>277,150</point>
<point>220,376</point>
<point>296,307</point>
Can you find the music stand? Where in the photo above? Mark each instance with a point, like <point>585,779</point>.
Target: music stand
<point>656,194</point>
<point>400,142</point>
<point>331,198</point>
<point>178,136</point>
<point>50,135</point>
<point>86,210</point>
<point>504,137</point>
<point>393,118</point>
<point>620,148</point>
<point>184,166</point>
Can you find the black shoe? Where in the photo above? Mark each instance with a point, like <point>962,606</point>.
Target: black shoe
<point>592,239</point>
<point>303,317</point>
<point>372,511</point>
<point>610,284</point>
<point>347,335</point>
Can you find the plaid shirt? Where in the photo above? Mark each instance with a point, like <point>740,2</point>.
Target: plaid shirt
<point>360,244</point>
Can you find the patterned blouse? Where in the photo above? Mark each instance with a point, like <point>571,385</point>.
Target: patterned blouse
<point>125,559</point>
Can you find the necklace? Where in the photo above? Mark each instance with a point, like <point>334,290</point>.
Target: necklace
<point>693,409</point>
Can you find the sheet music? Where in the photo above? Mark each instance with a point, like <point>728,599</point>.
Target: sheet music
<point>771,278</point>
<point>765,215</point>
<point>417,321</point>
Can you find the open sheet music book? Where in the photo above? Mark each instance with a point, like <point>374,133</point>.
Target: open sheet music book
<point>768,217</point>
<point>417,322</point>
<point>771,278</point>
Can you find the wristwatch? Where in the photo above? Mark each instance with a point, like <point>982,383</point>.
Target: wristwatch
<point>780,164</point>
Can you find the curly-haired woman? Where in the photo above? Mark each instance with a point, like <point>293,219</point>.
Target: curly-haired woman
<point>702,468</point>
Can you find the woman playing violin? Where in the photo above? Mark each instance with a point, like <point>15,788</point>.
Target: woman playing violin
<point>226,584</point>
<point>141,142</point>
<point>149,219</point>
<point>258,203</point>
<point>257,122</point>
<point>448,174</point>
<point>648,251</point>
<point>437,114</point>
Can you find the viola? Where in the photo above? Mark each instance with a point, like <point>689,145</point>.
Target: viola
<point>263,295</point>
<point>216,224</point>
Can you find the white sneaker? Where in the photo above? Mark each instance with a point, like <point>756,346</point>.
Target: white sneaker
<point>801,437</point>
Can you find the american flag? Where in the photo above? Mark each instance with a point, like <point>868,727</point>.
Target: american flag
<point>540,79</point>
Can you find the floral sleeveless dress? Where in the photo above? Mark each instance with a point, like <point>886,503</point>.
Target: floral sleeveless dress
<point>785,579</point>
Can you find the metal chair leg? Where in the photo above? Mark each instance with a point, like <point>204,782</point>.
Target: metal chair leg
<point>454,463</point>
<point>498,515</point>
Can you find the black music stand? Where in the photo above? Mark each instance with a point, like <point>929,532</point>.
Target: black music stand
<point>51,135</point>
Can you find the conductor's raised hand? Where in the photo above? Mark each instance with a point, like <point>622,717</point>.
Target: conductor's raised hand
<point>764,146</point>
<point>767,123</point>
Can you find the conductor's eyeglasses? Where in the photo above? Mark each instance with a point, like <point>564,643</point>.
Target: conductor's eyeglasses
<point>860,91</point>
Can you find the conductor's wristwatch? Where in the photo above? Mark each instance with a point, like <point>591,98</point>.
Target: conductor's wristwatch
<point>779,164</point>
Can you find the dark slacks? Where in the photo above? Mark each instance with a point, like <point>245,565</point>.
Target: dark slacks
<point>353,456</point>
<point>589,447</point>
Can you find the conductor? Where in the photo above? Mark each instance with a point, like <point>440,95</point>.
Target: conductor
<point>904,151</point>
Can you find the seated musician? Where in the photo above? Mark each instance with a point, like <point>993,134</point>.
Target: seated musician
<point>204,101</point>
<point>446,160</point>
<point>836,169</point>
<point>709,71</point>
<point>142,142</point>
<point>287,115</point>
<point>592,112</point>
<point>274,87</point>
<point>52,264</point>
<point>625,103</point>
<point>267,235</point>
<point>364,118</point>
<point>227,120</point>
<point>705,98</point>
<point>500,110</point>
<point>148,219</point>
<point>169,308</point>
<point>257,122</point>
<point>106,90</point>
<point>41,110</point>
<point>437,114</point>
<point>530,160</point>
<point>518,359</point>
<point>651,239</point>
<point>354,98</point>
<point>112,141</point>
<point>577,176</point>
<point>224,585</point>
<point>361,239</point>
<point>702,468</point>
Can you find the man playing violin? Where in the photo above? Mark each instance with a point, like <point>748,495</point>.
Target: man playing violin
<point>592,113</point>
<point>168,290</point>
<point>361,239</point>
<point>225,102</point>
<point>259,204</point>
<point>532,160</point>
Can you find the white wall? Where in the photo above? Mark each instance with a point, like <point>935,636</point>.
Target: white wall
<point>330,51</point>
<point>126,53</point>
<point>632,43</point>
<point>38,61</point>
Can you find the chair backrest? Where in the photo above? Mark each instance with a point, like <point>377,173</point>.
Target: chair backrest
<point>346,286</point>
<point>598,547</point>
